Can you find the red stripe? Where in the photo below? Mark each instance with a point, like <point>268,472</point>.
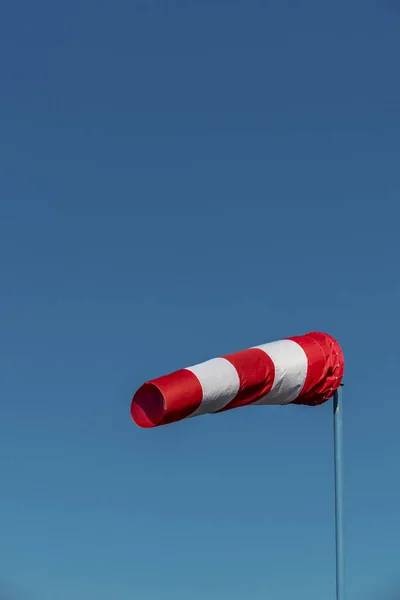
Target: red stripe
<point>167,399</point>
<point>325,367</point>
<point>256,372</point>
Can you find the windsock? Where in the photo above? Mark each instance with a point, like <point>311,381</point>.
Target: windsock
<point>306,369</point>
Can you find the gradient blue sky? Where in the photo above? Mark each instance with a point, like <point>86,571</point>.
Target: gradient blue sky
<point>180,180</point>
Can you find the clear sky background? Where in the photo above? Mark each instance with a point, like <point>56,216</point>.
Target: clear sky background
<point>179,180</point>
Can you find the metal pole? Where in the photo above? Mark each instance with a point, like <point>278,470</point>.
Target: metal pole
<point>339,507</point>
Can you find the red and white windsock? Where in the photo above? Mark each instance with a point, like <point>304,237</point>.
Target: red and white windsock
<point>306,369</point>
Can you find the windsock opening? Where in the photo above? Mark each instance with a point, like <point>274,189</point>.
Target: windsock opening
<point>148,407</point>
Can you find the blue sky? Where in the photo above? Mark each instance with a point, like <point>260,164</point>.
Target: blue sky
<point>181,180</point>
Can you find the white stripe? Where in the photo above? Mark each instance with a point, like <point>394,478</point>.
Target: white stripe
<point>291,365</point>
<point>220,382</point>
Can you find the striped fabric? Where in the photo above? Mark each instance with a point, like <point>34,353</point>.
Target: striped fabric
<point>302,370</point>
